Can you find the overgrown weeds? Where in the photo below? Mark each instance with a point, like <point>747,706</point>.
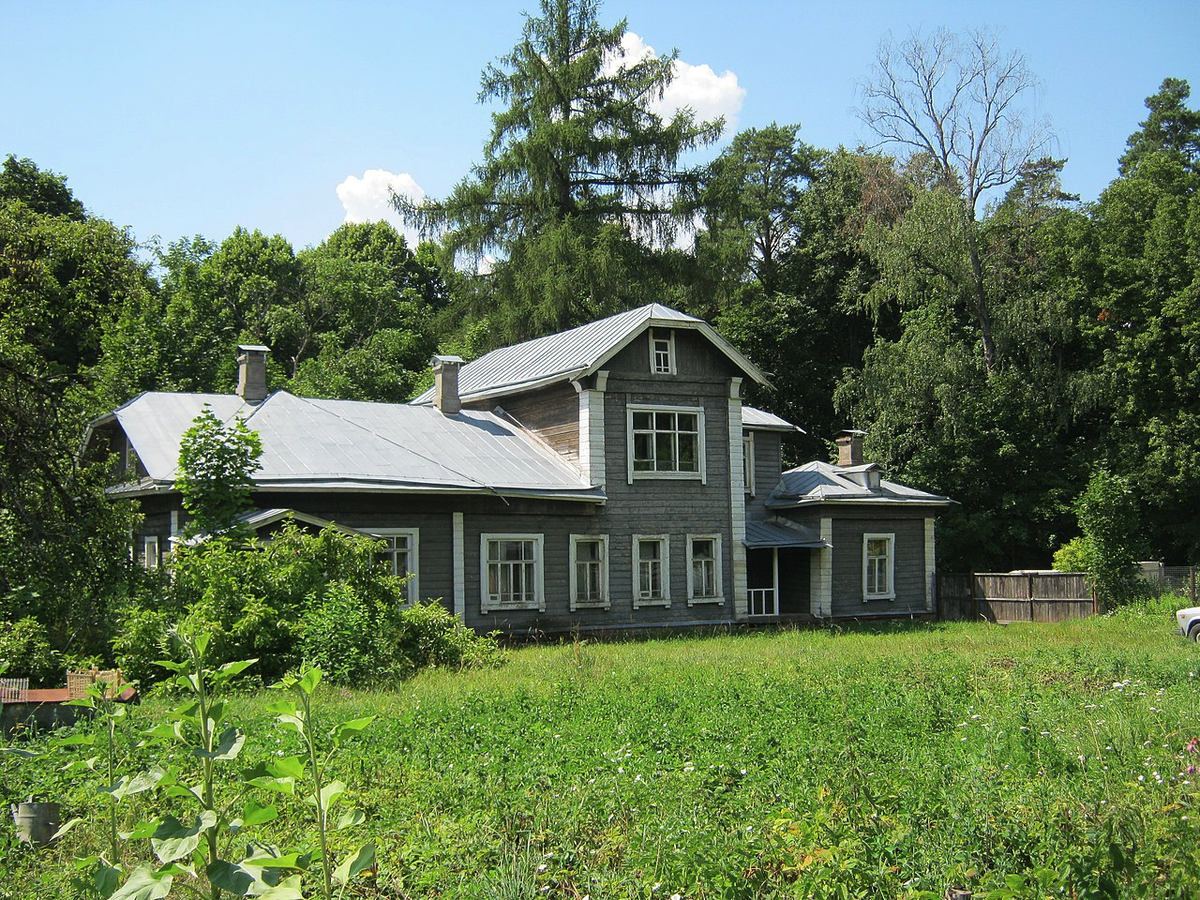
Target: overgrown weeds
<point>1016,762</point>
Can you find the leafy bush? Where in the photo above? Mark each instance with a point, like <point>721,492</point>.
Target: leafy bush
<point>352,643</point>
<point>25,650</point>
<point>431,635</point>
<point>143,636</point>
<point>1072,556</point>
<point>1108,517</point>
<point>298,596</point>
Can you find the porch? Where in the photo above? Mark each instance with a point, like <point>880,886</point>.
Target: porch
<point>778,570</point>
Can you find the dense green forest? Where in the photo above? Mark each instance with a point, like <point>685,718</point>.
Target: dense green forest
<point>999,341</point>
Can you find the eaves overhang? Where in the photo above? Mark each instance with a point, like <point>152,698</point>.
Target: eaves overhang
<point>367,486</point>
<point>866,502</point>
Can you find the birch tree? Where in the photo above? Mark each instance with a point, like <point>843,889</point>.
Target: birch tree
<point>958,105</point>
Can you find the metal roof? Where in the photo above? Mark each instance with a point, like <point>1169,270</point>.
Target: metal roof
<point>764,535</point>
<point>821,482</point>
<point>349,445</point>
<point>580,351</point>
<point>760,420</point>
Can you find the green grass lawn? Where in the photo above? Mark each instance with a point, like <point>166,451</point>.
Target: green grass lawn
<point>1018,761</point>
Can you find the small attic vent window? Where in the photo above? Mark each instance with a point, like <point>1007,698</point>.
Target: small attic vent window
<point>662,352</point>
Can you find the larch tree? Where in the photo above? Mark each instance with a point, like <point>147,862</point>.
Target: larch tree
<point>579,177</point>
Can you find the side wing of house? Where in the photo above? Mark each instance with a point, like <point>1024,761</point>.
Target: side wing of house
<point>879,551</point>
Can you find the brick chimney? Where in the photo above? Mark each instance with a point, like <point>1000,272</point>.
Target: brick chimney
<point>445,383</point>
<point>850,447</point>
<point>252,372</point>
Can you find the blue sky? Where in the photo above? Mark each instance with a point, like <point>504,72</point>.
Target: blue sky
<point>193,118</point>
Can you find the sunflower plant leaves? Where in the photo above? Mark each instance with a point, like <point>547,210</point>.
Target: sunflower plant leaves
<point>174,840</point>
<point>353,866</point>
<point>347,730</point>
<point>145,883</point>
<point>229,745</point>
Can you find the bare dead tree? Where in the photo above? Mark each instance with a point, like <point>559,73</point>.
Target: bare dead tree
<point>960,101</point>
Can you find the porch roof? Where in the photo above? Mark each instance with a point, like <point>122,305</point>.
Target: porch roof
<point>765,535</point>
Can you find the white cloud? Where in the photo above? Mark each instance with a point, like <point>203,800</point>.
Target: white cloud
<point>708,94</point>
<point>369,199</point>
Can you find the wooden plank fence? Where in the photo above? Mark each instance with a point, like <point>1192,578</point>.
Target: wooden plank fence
<point>1015,596</point>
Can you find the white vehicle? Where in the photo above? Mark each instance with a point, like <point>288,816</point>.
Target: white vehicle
<point>1189,622</point>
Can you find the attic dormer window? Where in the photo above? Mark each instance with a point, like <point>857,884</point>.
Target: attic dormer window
<point>662,352</point>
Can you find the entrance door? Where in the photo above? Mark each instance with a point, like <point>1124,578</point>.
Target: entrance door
<point>762,583</point>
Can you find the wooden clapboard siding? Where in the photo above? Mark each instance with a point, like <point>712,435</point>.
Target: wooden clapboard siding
<point>552,414</point>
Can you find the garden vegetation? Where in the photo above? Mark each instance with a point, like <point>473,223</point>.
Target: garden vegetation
<point>1025,761</point>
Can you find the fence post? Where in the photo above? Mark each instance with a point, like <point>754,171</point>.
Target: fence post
<point>1192,574</point>
<point>1029,591</point>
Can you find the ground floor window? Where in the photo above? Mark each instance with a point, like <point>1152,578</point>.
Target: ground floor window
<point>400,556</point>
<point>651,570</point>
<point>704,574</point>
<point>879,567</point>
<point>589,571</point>
<point>512,573</point>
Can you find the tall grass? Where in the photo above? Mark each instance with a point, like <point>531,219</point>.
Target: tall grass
<point>1018,761</point>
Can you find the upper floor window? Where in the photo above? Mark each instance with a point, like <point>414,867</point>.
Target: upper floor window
<point>589,571</point>
<point>666,441</point>
<point>662,352</point>
<point>400,556</point>
<point>512,575</point>
<point>879,563</point>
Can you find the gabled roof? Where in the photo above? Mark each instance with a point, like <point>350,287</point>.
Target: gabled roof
<point>822,482</point>
<point>344,445</point>
<point>578,352</point>
<point>761,420</point>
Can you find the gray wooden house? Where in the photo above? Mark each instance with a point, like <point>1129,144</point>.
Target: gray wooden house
<point>605,478</point>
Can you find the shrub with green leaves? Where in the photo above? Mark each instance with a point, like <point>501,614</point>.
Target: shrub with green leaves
<point>323,597</point>
<point>431,635</point>
<point>353,643</point>
<point>142,637</point>
<point>25,651</point>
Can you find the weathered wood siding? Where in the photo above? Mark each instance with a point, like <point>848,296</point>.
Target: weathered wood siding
<point>551,413</point>
<point>767,469</point>
<point>671,506</point>
<point>849,526</point>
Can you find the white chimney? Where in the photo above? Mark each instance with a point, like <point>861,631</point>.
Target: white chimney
<point>252,372</point>
<point>445,383</point>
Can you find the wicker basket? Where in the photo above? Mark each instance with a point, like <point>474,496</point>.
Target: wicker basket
<point>79,682</point>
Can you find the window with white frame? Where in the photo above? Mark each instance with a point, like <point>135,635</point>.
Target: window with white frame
<point>879,565</point>
<point>589,571</point>
<point>651,570</point>
<point>748,463</point>
<point>150,555</point>
<point>400,554</point>
<point>662,352</point>
<point>512,575</point>
<point>666,442</point>
<point>704,571</point>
